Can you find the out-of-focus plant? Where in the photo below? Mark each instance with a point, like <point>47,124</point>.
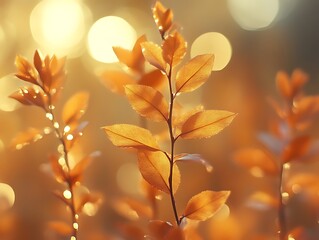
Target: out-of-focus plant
<point>158,166</point>
<point>287,142</point>
<point>45,78</point>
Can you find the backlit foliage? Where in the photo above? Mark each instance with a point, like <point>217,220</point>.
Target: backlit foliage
<point>45,78</point>
<point>144,91</point>
<point>286,143</point>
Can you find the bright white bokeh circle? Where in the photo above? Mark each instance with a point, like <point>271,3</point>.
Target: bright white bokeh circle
<point>213,43</point>
<point>108,32</point>
<point>59,26</point>
<point>7,197</point>
<point>253,14</point>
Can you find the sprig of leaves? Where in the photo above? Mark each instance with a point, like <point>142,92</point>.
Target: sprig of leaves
<point>286,142</point>
<point>46,76</point>
<point>157,166</point>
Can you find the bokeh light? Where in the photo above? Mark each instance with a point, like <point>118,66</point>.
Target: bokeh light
<point>253,15</point>
<point>59,26</point>
<point>108,32</point>
<point>7,197</point>
<point>128,178</point>
<point>215,43</point>
<point>8,85</point>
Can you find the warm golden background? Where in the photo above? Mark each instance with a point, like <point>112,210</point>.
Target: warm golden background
<point>277,35</point>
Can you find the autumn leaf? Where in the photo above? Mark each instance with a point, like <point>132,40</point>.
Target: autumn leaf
<point>205,204</point>
<point>153,54</point>
<point>57,168</point>
<point>130,136</point>
<point>26,137</point>
<point>154,79</point>
<point>72,133</point>
<point>160,230</point>
<point>77,171</point>
<point>256,160</point>
<point>296,149</point>
<point>155,169</point>
<point>163,17</point>
<point>197,158</point>
<point>26,71</point>
<point>75,107</point>
<point>194,73</point>
<point>206,124</point>
<point>174,49</point>
<point>132,209</point>
<point>262,201</point>
<point>133,59</point>
<point>30,96</point>
<point>147,101</point>
<point>283,85</point>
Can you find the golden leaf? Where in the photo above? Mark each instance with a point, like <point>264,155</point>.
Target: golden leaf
<point>24,138</point>
<point>77,171</point>
<point>205,204</point>
<point>133,59</point>
<point>116,80</point>
<point>163,17</point>
<point>283,85</point>
<point>26,71</point>
<point>254,158</point>
<point>75,107</point>
<point>57,168</point>
<point>206,123</point>
<point>154,79</point>
<point>126,135</point>
<point>194,73</point>
<point>155,169</point>
<point>174,49</point>
<point>147,101</point>
<point>296,149</point>
<point>30,96</point>
<point>153,54</point>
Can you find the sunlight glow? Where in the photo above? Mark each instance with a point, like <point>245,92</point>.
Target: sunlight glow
<point>213,43</point>
<point>108,32</point>
<point>67,194</point>
<point>90,209</point>
<point>253,15</point>
<point>7,197</point>
<point>59,25</point>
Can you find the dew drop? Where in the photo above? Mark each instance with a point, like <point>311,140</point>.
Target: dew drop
<point>47,130</point>
<point>69,137</point>
<point>67,129</point>
<point>287,166</point>
<point>76,226</point>
<point>56,125</point>
<point>49,116</point>
<point>51,107</point>
<point>67,194</point>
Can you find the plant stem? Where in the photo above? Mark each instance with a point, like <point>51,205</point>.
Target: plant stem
<point>281,208</point>
<point>59,135</point>
<point>172,138</point>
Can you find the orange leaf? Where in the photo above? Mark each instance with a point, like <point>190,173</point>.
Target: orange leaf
<point>60,227</point>
<point>160,230</point>
<point>24,138</point>
<point>257,161</point>
<point>133,59</point>
<point>126,135</point>
<point>283,85</point>
<point>153,54</point>
<point>147,101</point>
<point>205,204</point>
<point>163,17</point>
<point>116,80</point>
<point>77,172</point>
<point>26,71</point>
<point>197,158</point>
<point>206,124</point>
<point>132,208</point>
<point>30,96</point>
<point>298,80</point>
<point>73,133</point>
<point>75,107</point>
<point>154,79</point>
<point>174,49</point>
<point>194,73</point>
<point>155,168</point>
<point>262,201</point>
<point>57,168</point>
<point>296,149</point>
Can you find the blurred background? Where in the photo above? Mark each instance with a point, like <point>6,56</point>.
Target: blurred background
<point>251,40</point>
